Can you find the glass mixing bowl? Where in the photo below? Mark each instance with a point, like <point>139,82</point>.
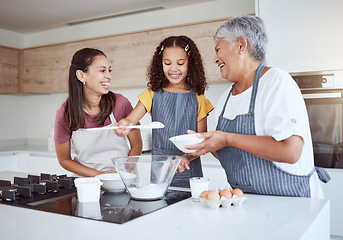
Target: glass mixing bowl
<point>147,177</point>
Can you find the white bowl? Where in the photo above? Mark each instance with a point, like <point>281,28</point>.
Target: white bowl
<point>111,182</point>
<point>181,141</point>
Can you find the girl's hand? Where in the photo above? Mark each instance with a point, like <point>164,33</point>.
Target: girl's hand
<point>123,131</point>
<point>184,164</point>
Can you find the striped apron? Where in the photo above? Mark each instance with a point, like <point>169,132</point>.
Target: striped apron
<point>178,112</point>
<point>253,174</point>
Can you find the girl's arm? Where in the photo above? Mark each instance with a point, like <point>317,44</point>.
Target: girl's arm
<point>202,125</point>
<point>136,144</point>
<point>64,158</point>
<point>133,118</point>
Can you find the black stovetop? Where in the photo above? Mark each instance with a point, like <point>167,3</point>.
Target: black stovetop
<point>57,194</point>
<point>112,207</point>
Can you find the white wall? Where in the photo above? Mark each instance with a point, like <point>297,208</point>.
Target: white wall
<point>12,117</point>
<point>303,35</point>
<point>33,117</point>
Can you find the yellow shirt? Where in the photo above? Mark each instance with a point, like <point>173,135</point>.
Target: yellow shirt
<point>205,106</point>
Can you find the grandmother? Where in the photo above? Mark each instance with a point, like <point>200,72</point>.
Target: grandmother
<point>263,138</point>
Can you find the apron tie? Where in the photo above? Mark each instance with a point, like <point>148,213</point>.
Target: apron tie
<point>323,175</point>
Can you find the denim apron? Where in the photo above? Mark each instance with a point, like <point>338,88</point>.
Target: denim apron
<point>178,112</point>
<point>253,174</point>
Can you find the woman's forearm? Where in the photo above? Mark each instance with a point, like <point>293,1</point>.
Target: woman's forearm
<point>79,169</point>
<point>266,147</point>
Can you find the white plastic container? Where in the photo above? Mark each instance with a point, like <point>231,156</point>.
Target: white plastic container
<point>88,189</point>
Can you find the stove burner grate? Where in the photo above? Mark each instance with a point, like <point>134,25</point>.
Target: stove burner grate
<point>36,189</point>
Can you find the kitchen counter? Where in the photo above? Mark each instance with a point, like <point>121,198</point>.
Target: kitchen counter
<point>259,217</point>
<point>35,149</point>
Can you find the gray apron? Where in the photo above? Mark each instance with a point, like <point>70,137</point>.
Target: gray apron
<point>253,174</point>
<point>178,112</point>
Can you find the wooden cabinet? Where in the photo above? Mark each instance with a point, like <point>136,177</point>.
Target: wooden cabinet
<point>9,77</point>
<point>46,68</point>
<point>202,34</point>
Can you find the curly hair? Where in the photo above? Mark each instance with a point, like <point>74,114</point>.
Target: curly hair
<point>195,75</point>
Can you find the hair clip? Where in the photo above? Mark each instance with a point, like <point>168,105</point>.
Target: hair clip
<point>187,48</point>
<point>162,47</point>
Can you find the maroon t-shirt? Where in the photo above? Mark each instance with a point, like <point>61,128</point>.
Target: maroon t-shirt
<point>121,110</point>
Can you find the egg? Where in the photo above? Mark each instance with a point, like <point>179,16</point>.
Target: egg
<point>204,194</point>
<point>226,193</point>
<point>213,196</point>
<point>238,192</point>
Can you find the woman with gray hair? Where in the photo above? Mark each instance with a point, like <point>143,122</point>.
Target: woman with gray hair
<point>263,138</point>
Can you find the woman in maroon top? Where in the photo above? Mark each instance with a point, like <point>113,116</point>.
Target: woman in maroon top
<point>90,105</point>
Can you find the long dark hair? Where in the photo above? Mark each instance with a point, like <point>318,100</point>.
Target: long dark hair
<point>74,114</point>
<point>196,74</point>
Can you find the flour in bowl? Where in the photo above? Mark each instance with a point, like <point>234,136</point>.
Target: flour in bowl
<point>151,191</point>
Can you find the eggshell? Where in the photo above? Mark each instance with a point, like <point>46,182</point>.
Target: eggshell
<point>204,194</point>
<point>226,193</point>
<point>213,196</point>
<point>238,192</point>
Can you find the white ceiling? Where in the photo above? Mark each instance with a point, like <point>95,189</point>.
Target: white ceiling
<point>30,16</point>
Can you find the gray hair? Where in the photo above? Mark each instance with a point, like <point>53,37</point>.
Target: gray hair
<point>251,28</point>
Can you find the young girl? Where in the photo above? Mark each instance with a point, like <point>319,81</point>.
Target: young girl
<point>175,97</point>
<point>90,105</point>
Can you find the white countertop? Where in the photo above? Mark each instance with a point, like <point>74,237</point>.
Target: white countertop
<point>259,217</point>
<point>33,149</point>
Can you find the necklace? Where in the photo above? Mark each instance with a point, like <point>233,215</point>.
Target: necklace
<point>90,110</point>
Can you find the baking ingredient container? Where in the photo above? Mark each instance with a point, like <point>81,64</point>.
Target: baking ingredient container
<point>88,189</point>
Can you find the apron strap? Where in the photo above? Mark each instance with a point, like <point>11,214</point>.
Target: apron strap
<point>113,120</point>
<point>255,87</point>
<point>323,175</point>
<point>254,90</point>
<point>228,96</point>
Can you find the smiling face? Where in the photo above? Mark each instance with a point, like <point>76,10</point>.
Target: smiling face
<point>98,76</point>
<point>175,65</point>
<point>227,59</point>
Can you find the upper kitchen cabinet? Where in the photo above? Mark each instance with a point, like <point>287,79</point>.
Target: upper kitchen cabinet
<point>46,68</point>
<point>202,34</point>
<point>9,72</point>
<point>303,35</point>
<point>129,56</point>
